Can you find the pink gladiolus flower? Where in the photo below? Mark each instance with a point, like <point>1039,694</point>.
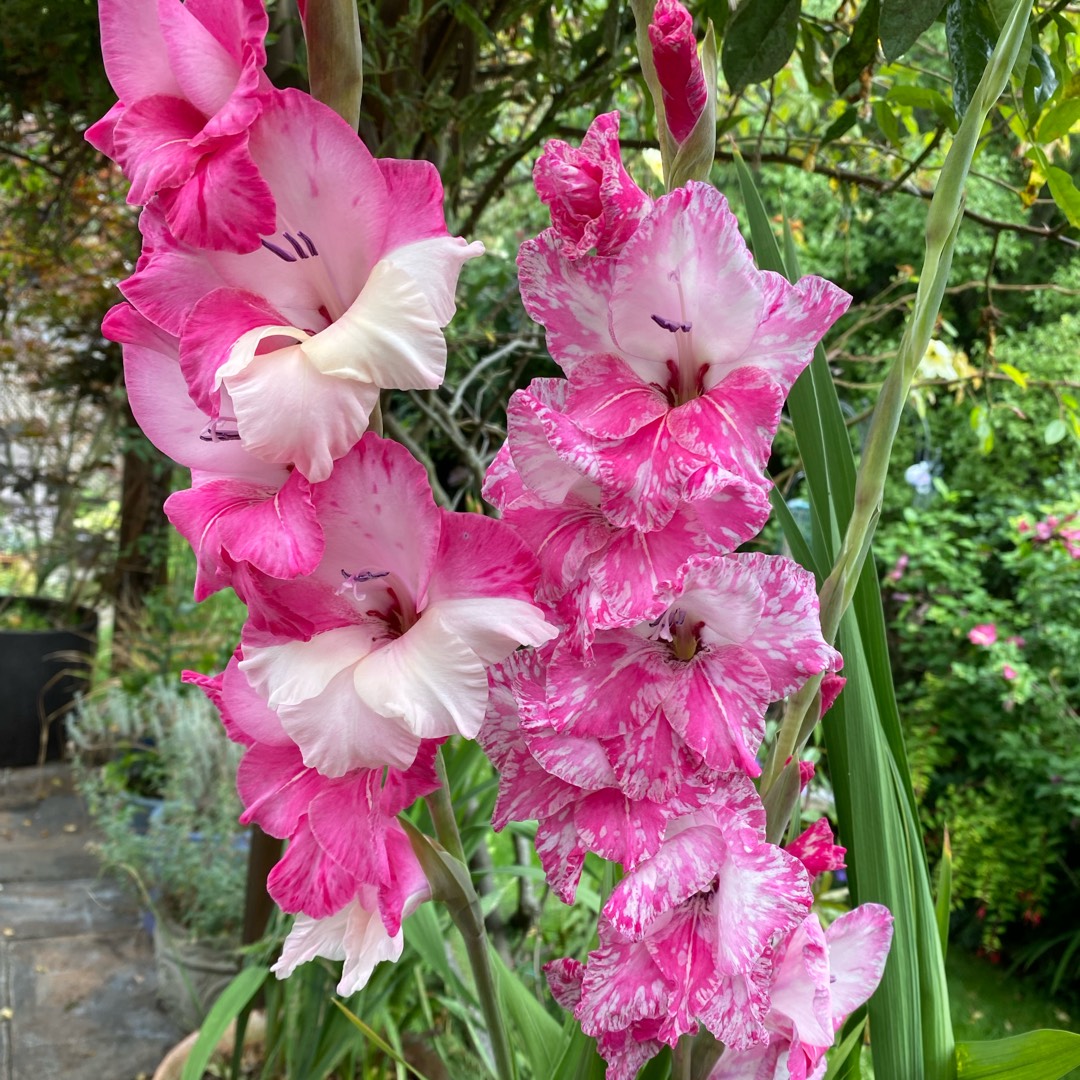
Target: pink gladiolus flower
<point>678,351</point>
<point>984,634</point>
<point>685,937</point>
<point>739,632</point>
<point>349,870</point>
<point>820,978</point>
<point>596,575</point>
<point>190,82</point>
<point>675,56</point>
<point>815,849</point>
<point>387,642</point>
<point>239,508</point>
<point>575,786</point>
<point>348,296</point>
<point>593,201</point>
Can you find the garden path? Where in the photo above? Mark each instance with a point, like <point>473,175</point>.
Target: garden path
<point>77,982</point>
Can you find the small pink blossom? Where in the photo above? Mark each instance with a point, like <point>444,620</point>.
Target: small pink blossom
<point>984,634</point>
<point>1008,672</point>
<point>678,68</point>
<point>815,849</point>
<point>897,572</point>
<point>819,979</point>
<point>593,201</point>
<point>190,81</point>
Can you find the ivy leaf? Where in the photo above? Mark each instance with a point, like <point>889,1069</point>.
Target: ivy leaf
<point>760,38</point>
<point>859,52</point>
<point>1065,194</point>
<point>902,21</point>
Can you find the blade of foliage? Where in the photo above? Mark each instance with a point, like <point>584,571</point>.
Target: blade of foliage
<point>861,48</point>
<point>903,21</point>
<point>538,1033</point>
<point>371,1034</point>
<point>579,1060</point>
<point>1035,1055</point>
<point>800,549</point>
<point>759,39</point>
<point>943,903</point>
<point>838,1056</point>
<point>1065,193</point>
<point>234,999</point>
<point>424,933</point>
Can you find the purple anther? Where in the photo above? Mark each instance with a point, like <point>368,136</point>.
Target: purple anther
<point>223,429</point>
<point>364,575</point>
<point>672,326</point>
<point>310,244</point>
<point>281,253</point>
<point>295,246</point>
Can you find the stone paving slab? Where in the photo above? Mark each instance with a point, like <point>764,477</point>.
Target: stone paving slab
<point>77,980</point>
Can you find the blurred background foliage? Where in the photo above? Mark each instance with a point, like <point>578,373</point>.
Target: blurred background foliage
<point>845,110</point>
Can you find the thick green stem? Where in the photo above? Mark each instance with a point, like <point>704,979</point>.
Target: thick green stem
<point>470,921</point>
<point>335,56</point>
<point>942,223</point>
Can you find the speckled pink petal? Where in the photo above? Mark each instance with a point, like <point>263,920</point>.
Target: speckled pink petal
<point>306,880</point>
<point>761,892</point>
<point>593,201</point>
<point>569,299</point>
<point>815,849</point>
<point>795,318</point>
<point>859,943</point>
<point>718,707</point>
<point>788,641</point>
<point>688,264</point>
<point>615,691</point>
<point>801,995</point>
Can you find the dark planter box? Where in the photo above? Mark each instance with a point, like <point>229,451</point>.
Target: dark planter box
<point>41,671</point>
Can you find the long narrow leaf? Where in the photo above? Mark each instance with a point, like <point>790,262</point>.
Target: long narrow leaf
<point>1035,1055</point>
<point>233,1000</point>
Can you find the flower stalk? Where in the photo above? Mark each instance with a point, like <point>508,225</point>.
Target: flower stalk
<point>335,56</point>
<point>943,220</point>
<point>451,883</point>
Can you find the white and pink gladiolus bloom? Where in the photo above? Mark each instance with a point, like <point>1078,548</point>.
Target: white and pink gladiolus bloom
<point>685,938</point>
<point>191,83</point>
<point>239,508</point>
<point>736,633</point>
<point>407,608</point>
<point>349,872</point>
<point>678,350</point>
<point>289,346</point>
<point>819,978</point>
